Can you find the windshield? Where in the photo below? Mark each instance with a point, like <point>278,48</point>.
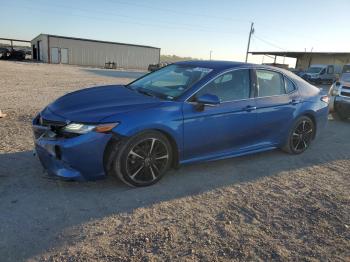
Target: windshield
<point>171,81</point>
<point>345,77</point>
<point>314,70</point>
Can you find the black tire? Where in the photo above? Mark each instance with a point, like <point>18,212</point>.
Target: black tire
<point>143,159</point>
<point>339,116</point>
<point>300,136</point>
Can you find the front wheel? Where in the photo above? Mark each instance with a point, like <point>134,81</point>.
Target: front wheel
<point>143,159</point>
<point>300,136</point>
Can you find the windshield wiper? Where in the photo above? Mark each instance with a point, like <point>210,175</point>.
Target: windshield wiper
<point>147,93</point>
<point>152,93</point>
<point>128,87</point>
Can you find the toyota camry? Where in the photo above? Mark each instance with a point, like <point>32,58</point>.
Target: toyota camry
<point>183,113</point>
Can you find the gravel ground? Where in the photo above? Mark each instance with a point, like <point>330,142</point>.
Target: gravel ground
<point>268,206</point>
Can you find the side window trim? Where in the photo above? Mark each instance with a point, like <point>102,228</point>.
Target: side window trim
<point>251,95</point>
<point>285,85</point>
<point>254,84</point>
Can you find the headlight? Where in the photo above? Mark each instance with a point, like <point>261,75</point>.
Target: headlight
<point>77,128</point>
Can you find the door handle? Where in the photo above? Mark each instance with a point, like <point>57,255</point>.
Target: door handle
<point>295,102</point>
<point>250,108</point>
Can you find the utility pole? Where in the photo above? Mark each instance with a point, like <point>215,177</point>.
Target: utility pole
<point>211,51</point>
<point>250,35</point>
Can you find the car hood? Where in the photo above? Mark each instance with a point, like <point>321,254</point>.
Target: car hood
<point>92,105</point>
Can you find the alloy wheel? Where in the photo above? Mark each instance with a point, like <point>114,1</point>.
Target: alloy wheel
<point>147,160</point>
<point>302,136</point>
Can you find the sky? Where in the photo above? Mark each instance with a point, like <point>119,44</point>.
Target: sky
<point>188,27</point>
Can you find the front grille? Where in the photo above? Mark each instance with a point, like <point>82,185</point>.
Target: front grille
<point>51,123</point>
<point>45,126</point>
<point>38,132</point>
<point>54,126</point>
<point>346,87</point>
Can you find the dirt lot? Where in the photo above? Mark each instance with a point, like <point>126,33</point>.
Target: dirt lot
<point>269,206</point>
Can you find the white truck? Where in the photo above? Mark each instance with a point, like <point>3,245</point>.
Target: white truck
<point>319,74</point>
<point>340,96</point>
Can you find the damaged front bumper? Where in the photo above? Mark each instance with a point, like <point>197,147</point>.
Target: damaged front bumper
<point>75,158</point>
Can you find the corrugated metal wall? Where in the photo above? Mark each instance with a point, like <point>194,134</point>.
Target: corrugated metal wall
<point>305,60</point>
<point>43,49</point>
<point>90,53</point>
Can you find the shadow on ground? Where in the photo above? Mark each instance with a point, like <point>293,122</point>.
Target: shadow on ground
<point>35,209</point>
<point>116,73</point>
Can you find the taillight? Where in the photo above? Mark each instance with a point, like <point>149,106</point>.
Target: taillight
<point>325,99</point>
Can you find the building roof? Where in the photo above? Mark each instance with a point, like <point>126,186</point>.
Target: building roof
<point>296,54</point>
<point>96,41</point>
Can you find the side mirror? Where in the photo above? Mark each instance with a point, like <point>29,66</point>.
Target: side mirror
<point>208,99</point>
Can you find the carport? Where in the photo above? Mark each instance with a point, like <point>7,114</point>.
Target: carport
<point>305,59</point>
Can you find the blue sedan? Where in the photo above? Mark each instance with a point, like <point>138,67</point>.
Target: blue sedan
<point>183,113</point>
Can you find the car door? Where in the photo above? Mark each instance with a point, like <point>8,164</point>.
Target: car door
<point>211,131</point>
<point>277,103</point>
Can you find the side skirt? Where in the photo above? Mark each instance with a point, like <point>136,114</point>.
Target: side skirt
<point>225,155</point>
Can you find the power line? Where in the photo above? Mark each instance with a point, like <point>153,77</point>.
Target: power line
<point>109,13</point>
<point>268,42</point>
<point>272,28</point>
<point>143,24</point>
<point>178,12</point>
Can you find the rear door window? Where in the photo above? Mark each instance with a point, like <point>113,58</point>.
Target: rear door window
<point>270,83</point>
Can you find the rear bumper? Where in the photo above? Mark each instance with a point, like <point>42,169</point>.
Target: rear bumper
<point>342,104</point>
<point>321,118</point>
<point>78,158</point>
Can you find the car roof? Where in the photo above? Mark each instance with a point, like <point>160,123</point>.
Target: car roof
<point>217,65</point>
<point>226,65</point>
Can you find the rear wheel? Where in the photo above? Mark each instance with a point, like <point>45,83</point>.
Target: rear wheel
<point>143,159</point>
<point>300,136</point>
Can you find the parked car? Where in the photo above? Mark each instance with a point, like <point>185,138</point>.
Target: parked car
<point>4,52</point>
<point>17,54</point>
<point>155,67</point>
<point>12,54</point>
<point>346,69</point>
<point>183,113</point>
<point>298,72</point>
<point>340,96</point>
<point>320,74</point>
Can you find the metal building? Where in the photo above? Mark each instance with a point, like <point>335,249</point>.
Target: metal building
<point>305,59</point>
<point>56,49</point>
